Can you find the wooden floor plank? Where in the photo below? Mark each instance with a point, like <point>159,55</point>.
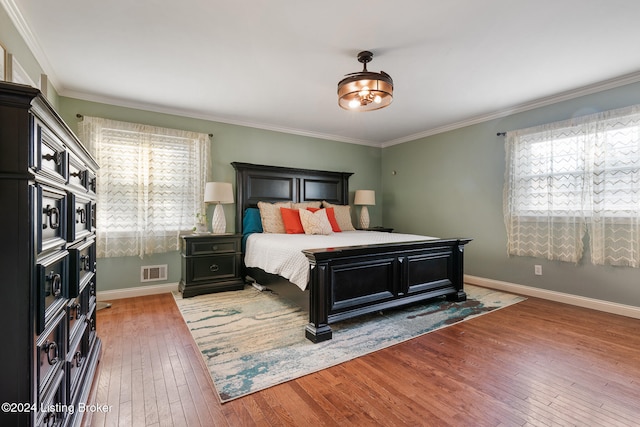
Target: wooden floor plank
<point>537,363</point>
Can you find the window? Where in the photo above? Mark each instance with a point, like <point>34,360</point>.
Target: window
<point>575,178</point>
<point>150,185</point>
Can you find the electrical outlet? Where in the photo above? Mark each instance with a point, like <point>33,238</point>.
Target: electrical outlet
<point>537,270</point>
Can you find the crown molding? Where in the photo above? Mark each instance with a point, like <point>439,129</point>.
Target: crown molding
<point>15,14</point>
<point>537,103</point>
<point>197,115</point>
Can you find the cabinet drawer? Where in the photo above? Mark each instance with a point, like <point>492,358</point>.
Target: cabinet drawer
<point>82,263</point>
<point>77,309</point>
<point>76,359</point>
<point>52,287</point>
<point>91,326</point>
<point>50,155</point>
<point>79,177</point>
<point>51,346</point>
<point>90,181</point>
<point>211,246</point>
<point>51,206</point>
<point>79,218</point>
<point>208,268</point>
<point>51,403</point>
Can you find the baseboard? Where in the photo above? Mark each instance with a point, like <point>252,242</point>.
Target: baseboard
<point>595,304</point>
<point>139,291</point>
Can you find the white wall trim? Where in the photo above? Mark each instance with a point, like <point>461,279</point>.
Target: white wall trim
<point>139,291</point>
<point>595,304</point>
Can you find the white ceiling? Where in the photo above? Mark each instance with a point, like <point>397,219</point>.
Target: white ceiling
<point>276,64</point>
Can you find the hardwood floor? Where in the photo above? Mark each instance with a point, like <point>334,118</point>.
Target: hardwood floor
<point>537,363</point>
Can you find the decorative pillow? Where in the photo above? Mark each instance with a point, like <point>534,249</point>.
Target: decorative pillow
<point>342,214</point>
<point>331,215</point>
<point>315,222</point>
<point>251,222</point>
<point>272,217</point>
<point>305,205</point>
<point>291,220</point>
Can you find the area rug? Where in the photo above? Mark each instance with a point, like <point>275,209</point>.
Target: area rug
<point>252,340</point>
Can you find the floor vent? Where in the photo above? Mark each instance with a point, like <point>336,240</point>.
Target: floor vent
<point>153,273</point>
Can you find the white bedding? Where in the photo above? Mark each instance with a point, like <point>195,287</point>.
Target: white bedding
<point>281,254</point>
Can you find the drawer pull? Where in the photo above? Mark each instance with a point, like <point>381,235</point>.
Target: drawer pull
<point>75,308</point>
<point>214,267</point>
<point>214,247</point>
<point>78,358</point>
<point>51,348</point>
<point>50,419</point>
<point>79,174</point>
<point>83,216</point>
<point>56,283</point>
<point>53,215</point>
<point>56,157</point>
<point>85,263</point>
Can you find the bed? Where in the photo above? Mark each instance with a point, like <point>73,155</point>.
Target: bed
<point>349,281</point>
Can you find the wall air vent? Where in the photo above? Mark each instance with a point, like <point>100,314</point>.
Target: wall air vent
<point>153,273</point>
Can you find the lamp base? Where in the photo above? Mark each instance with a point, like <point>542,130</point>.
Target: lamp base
<point>218,222</point>
<point>364,217</point>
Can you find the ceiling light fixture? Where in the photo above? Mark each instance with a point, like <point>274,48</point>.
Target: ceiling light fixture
<point>365,90</point>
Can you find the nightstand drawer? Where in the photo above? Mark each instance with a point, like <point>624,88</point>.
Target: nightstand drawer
<point>212,246</point>
<point>211,267</point>
<point>210,263</point>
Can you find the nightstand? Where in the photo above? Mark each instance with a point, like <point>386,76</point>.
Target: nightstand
<point>378,228</point>
<point>210,263</point>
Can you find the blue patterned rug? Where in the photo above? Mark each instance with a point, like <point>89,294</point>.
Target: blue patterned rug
<point>253,340</point>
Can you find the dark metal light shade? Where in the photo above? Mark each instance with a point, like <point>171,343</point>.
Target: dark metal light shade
<point>366,90</point>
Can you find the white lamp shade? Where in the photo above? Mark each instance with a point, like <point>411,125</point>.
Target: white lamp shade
<point>365,197</point>
<point>218,192</point>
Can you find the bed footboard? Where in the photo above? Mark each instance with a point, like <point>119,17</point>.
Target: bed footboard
<point>351,281</point>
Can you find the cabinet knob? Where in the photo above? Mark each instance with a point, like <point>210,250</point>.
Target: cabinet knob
<point>81,216</point>
<point>53,214</point>
<point>214,247</point>
<point>214,267</point>
<point>50,419</point>
<point>56,157</point>
<point>56,283</point>
<point>51,349</point>
<point>78,358</point>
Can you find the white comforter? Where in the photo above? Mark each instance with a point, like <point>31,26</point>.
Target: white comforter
<point>281,254</point>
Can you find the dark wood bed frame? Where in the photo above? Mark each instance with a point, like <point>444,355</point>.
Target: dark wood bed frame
<point>350,281</point>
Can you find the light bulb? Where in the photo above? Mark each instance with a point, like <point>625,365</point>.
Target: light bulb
<point>354,103</point>
<point>377,99</point>
<point>364,92</point>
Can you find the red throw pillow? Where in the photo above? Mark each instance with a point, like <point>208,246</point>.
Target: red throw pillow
<point>291,220</point>
<point>331,214</point>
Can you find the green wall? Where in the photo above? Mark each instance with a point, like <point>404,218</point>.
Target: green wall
<point>231,143</point>
<point>451,184</point>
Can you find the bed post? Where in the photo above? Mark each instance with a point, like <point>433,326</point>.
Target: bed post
<point>318,329</point>
<point>458,271</point>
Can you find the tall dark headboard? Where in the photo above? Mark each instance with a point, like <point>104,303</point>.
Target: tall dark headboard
<point>256,183</point>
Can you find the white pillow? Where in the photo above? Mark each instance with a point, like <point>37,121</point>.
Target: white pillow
<point>315,222</point>
<point>343,215</point>
<point>272,217</point>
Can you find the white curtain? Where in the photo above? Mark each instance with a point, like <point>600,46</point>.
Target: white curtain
<point>150,184</point>
<point>569,178</point>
